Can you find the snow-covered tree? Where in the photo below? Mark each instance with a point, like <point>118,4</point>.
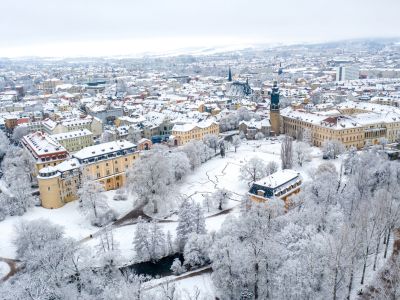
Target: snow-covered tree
<point>287,153</point>
<point>220,198</point>
<point>134,135</point>
<point>301,153</point>
<point>149,241</point>
<point>141,242</point>
<point>179,163</point>
<point>33,235</point>
<point>19,132</point>
<point>170,247</point>
<point>190,220</point>
<point>196,251</point>
<point>236,141</point>
<point>332,148</point>
<point>4,144</point>
<point>149,179</point>
<point>211,140</point>
<point>350,160</point>
<point>259,136</point>
<point>108,249</point>
<point>157,242</point>
<point>197,153</point>
<point>93,203</point>
<point>253,170</point>
<point>177,267</point>
<point>244,256</point>
<point>271,168</point>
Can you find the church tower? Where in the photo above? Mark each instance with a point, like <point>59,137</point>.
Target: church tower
<point>274,114</point>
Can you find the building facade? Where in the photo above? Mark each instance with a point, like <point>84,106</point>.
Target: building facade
<point>354,124</point>
<point>74,140</point>
<point>347,73</point>
<point>106,163</point>
<point>184,133</point>
<point>282,184</point>
<point>44,150</point>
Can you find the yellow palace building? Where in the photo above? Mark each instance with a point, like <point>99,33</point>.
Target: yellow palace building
<point>184,133</point>
<point>355,124</point>
<point>106,163</point>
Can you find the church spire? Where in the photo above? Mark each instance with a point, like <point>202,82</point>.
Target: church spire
<point>230,74</point>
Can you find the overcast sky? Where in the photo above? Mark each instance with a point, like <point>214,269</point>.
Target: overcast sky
<point>117,27</point>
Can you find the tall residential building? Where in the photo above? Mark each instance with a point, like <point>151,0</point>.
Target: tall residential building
<point>347,73</point>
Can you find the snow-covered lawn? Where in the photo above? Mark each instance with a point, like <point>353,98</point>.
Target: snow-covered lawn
<point>224,172</point>
<point>4,269</point>
<point>207,178</point>
<point>186,287</point>
<point>75,224</point>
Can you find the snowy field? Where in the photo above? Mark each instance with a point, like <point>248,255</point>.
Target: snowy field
<point>75,225</point>
<point>4,269</point>
<point>215,173</point>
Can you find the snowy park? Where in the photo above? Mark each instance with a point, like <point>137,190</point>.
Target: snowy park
<point>216,179</point>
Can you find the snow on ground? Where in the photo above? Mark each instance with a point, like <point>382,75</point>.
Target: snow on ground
<point>75,224</point>
<point>203,283</point>
<point>215,173</point>
<point>370,273</point>
<point>4,269</point>
<point>224,172</point>
<point>187,287</point>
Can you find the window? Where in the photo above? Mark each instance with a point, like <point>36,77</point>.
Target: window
<point>48,188</point>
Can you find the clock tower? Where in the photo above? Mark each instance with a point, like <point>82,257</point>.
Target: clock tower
<point>274,114</point>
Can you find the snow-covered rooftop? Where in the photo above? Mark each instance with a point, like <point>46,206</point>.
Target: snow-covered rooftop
<point>278,179</point>
<point>42,144</point>
<point>71,134</point>
<point>103,149</point>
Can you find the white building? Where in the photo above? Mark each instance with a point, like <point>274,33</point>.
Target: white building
<point>347,73</point>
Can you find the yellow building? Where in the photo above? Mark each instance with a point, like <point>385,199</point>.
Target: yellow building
<point>90,123</point>
<point>353,124</point>
<point>106,163</point>
<point>184,133</point>
<point>74,140</point>
<point>44,150</point>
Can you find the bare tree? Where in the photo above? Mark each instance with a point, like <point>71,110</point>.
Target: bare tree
<point>253,170</point>
<point>236,141</point>
<point>287,153</point>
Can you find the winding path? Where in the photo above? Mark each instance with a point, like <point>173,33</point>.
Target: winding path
<point>12,263</point>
